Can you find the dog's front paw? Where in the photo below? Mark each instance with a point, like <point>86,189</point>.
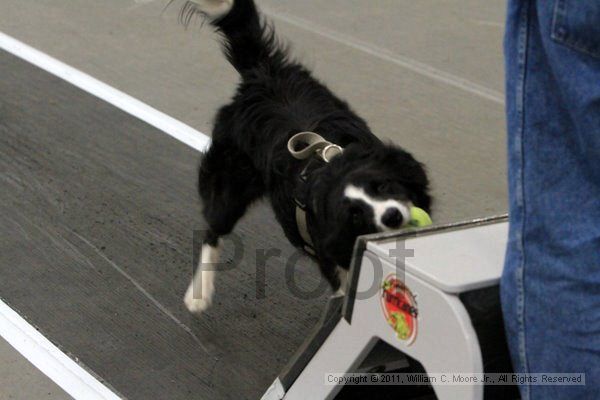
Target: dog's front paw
<point>196,305</point>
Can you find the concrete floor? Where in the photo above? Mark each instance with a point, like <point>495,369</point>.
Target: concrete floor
<point>20,380</point>
<point>97,218</point>
<point>426,75</point>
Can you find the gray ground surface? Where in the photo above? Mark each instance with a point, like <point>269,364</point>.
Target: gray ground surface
<point>97,209</point>
<point>97,215</point>
<point>19,380</point>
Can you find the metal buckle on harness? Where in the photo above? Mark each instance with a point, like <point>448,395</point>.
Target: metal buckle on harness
<point>334,149</point>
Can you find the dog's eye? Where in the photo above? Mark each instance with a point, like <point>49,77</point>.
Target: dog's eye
<point>385,187</point>
<point>356,215</point>
<point>356,211</point>
<point>388,188</point>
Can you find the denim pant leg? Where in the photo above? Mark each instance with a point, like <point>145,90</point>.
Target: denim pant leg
<point>550,288</point>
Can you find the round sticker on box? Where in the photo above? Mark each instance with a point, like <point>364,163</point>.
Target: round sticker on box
<point>399,308</point>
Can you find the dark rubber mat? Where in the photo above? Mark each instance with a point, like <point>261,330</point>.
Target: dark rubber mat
<point>97,214</point>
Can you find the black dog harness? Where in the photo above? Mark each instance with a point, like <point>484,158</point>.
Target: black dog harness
<point>308,146</point>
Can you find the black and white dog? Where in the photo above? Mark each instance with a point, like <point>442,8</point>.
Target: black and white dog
<point>368,188</point>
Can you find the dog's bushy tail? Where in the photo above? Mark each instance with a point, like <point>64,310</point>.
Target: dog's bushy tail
<point>248,42</point>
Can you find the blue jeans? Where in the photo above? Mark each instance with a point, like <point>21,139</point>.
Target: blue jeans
<point>550,288</point>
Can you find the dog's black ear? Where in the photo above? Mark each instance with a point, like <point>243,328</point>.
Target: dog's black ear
<point>410,172</point>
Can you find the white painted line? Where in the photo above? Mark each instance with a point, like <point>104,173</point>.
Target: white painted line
<point>55,364</point>
<point>152,116</point>
<point>387,55</point>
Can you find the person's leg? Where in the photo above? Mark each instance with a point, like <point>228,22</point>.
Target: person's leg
<point>551,282</point>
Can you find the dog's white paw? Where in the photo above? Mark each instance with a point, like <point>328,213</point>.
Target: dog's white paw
<point>196,305</point>
<point>199,294</point>
<point>343,275</point>
<point>214,8</point>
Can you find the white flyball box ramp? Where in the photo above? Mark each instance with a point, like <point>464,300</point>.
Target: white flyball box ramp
<point>427,299</point>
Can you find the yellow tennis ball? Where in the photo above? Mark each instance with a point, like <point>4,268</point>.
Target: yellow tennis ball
<point>419,217</point>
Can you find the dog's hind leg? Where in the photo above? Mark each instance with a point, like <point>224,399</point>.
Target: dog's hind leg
<point>228,184</point>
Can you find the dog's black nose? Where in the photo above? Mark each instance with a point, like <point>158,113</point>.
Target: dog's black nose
<point>392,218</point>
